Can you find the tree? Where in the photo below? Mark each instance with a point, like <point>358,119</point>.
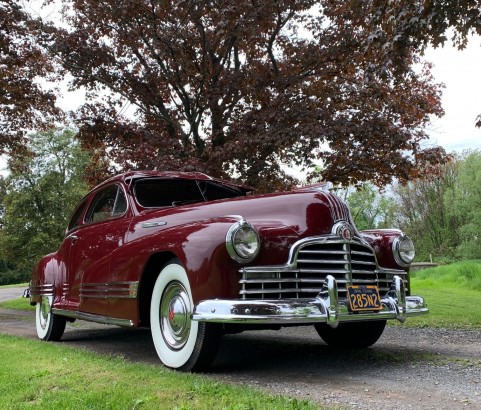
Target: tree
<point>402,26</point>
<point>24,104</point>
<point>238,88</point>
<point>465,206</point>
<point>41,192</point>
<point>370,209</point>
<point>425,214</point>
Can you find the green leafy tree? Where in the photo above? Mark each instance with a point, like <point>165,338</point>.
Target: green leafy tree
<point>40,193</point>
<point>369,208</point>
<point>424,211</point>
<point>465,206</point>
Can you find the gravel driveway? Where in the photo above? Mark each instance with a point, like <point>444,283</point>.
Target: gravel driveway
<point>407,368</point>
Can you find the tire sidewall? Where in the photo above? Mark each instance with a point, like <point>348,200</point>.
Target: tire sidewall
<point>43,333</point>
<point>169,357</point>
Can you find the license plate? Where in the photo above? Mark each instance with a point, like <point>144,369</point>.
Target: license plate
<point>364,298</point>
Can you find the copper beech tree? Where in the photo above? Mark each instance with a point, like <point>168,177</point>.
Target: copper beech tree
<point>236,88</point>
<point>24,104</point>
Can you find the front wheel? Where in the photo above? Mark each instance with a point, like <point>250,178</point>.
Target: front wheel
<point>49,326</point>
<point>180,342</point>
<point>354,334</point>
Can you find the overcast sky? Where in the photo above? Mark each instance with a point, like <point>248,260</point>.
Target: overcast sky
<point>460,71</point>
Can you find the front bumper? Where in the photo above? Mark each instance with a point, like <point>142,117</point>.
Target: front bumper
<point>324,308</point>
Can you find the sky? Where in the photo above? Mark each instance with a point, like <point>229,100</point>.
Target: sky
<point>459,70</point>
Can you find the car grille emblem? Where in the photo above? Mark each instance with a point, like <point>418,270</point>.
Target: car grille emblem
<point>344,231</point>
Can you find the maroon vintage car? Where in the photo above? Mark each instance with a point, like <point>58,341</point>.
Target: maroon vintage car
<point>193,257</point>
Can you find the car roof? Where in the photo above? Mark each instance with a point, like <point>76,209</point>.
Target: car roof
<point>131,176</point>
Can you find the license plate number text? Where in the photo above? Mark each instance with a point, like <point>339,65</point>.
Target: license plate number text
<point>363,298</point>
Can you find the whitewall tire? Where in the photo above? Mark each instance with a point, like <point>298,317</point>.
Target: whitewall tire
<point>181,343</point>
<point>49,326</point>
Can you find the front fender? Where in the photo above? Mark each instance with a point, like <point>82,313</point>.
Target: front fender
<point>200,247</point>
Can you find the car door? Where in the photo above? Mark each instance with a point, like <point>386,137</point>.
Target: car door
<point>105,228</point>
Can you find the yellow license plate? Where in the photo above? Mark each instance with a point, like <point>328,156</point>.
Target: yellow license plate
<point>363,298</point>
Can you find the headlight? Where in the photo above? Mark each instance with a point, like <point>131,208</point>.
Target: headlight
<point>403,249</point>
<point>242,242</point>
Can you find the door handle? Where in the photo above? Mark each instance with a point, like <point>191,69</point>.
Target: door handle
<point>74,238</point>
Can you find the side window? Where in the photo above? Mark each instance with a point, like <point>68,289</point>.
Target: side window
<point>107,204</point>
<point>76,218</point>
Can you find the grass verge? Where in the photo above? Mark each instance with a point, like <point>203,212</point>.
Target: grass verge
<point>20,303</point>
<point>48,375</point>
<point>453,294</point>
<point>25,285</point>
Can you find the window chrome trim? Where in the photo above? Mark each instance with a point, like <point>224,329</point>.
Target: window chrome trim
<point>94,194</point>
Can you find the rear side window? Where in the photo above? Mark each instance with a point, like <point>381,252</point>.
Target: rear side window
<point>108,203</point>
<point>76,218</point>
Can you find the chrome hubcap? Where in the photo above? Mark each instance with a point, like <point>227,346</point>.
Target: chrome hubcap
<point>175,315</point>
<point>44,311</point>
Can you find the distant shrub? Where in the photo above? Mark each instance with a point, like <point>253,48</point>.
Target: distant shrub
<point>13,277</point>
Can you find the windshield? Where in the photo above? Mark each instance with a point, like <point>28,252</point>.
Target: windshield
<point>161,192</point>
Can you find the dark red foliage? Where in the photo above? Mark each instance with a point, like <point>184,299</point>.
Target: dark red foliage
<point>24,105</point>
<point>236,89</point>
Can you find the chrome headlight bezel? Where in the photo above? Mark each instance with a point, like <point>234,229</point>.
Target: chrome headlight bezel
<point>403,250</point>
<point>242,242</point>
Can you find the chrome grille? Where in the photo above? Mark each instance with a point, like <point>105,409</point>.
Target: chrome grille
<point>348,262</point>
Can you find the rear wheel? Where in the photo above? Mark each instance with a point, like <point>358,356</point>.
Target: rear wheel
<point>180,342</point>
<point>49,326</point>
<point>354,334</point>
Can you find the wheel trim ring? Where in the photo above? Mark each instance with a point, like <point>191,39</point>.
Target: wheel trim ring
<point>175,314</point>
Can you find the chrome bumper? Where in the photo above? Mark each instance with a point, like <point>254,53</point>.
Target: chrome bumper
<point>324,308</point>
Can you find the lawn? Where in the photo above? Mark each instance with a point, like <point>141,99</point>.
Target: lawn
<point>453,294</point>
<point>49,375</point>
<point>20,303</point>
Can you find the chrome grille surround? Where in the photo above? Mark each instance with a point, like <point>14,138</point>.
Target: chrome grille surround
<point>311,260</point>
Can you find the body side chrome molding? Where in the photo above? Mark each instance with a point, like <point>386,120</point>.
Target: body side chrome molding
<point>153,224</point>
<point>111,290</point>
<point>93,317</point>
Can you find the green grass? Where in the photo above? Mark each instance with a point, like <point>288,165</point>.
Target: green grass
<point>453,294</point>
<point>48,375</point>
<point>17,304</point>
<point>466,274</point>
<point>15,286</point>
